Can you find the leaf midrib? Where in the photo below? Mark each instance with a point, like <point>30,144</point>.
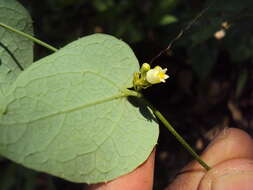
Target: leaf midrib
<point>111,98</point>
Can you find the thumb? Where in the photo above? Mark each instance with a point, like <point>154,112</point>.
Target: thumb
<point>230,152</point>
<point>236,174</point>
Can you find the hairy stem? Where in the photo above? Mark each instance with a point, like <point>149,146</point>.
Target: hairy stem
<point>29,37</point>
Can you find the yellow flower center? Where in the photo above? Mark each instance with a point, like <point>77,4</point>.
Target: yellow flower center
<point>161,75</point>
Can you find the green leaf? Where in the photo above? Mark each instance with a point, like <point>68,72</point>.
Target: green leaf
<point>69,114</point>
<point>15,50</point>
<point>167,19</point>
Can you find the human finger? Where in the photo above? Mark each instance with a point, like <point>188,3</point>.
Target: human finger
<point>230,144</point>
<point>140,178</point>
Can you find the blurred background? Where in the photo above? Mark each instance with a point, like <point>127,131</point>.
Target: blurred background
<point>210,67</point>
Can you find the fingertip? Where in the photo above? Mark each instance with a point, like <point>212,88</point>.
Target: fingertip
<point>236,174</point>
<point>230,143</point>
<point>140,178</point>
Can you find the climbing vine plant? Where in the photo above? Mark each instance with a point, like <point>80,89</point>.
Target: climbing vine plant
<point>78,113</point>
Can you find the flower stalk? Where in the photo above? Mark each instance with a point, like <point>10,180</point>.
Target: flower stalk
<point>178,136</point>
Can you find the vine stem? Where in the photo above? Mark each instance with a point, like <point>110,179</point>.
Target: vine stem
<point>178,136</point>
<point>29,37</point>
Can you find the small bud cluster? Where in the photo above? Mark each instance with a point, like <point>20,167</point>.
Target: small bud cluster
<point>147,77</point>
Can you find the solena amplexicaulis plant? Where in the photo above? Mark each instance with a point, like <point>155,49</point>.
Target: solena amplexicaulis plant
<point>69,114</point>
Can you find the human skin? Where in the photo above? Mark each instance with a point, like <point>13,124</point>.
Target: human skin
<point>230,155</point>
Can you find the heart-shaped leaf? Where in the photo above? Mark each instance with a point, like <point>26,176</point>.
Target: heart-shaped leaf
<point>16,52</point>
<point>69,114</point>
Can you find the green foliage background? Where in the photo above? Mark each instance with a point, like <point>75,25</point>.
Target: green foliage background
<point>211,80</point>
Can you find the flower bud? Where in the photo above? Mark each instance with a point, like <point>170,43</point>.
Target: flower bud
<point>145,67</point>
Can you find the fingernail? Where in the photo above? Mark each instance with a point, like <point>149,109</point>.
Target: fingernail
<point>237,181</point>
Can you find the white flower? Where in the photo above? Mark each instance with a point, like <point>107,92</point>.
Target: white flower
<point>156,75</point>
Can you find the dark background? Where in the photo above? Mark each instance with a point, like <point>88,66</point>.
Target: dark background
<point>211,80</point>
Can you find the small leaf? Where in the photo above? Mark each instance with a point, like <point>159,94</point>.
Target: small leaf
<point>69,115</point>
<point>168,19</point>
<point>14,47</point>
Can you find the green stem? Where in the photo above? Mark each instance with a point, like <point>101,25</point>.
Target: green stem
<point>178,137</point>
<point>132,93</point>
<point>29,37</point>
